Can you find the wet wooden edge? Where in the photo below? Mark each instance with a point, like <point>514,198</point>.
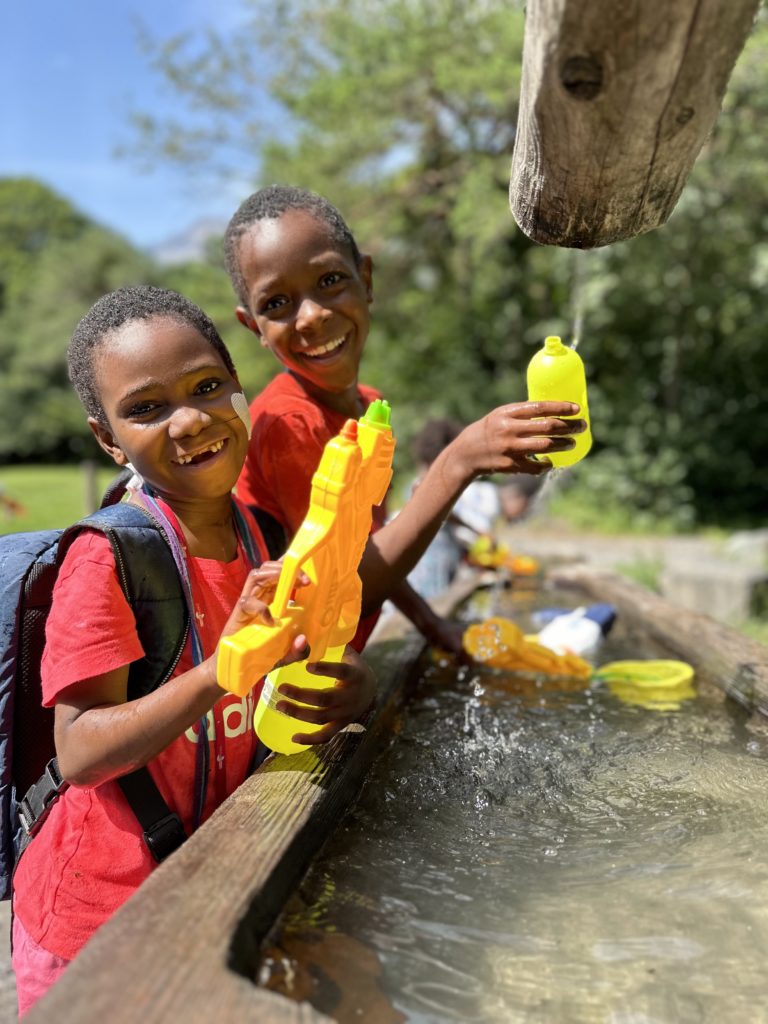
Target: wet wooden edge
<point>185,946</point>
<point>720,655</point>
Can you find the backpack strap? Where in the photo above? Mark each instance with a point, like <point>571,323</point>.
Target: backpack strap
<point>271,530</point>
<point>150,583</point>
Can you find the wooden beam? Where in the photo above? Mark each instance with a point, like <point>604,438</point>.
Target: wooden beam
<point>616,102</point>
<point>185,946</point>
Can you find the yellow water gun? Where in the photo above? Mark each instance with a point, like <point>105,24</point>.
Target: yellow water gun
<point>353,475</point>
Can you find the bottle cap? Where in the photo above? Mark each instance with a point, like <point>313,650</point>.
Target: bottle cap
<point>378,414</point>
<point>553,345</point>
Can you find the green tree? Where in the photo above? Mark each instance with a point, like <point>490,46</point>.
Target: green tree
<point>40,416</point>
<point>403,113</point>
<point>31,217</point>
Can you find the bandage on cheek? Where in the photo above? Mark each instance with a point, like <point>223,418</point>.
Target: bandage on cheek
<point>240,405</point>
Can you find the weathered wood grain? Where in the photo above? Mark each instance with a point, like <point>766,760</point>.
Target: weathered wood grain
<point>185,945</point>
<point>616,102</point>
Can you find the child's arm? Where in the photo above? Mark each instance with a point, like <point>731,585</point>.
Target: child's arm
<point>439,632</point>
<point>501,442</point>
<point>100,735</point>
<point>333,708</point>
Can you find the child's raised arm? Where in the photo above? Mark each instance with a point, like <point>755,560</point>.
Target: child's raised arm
<point>504,441</point>
<point>101,735</point>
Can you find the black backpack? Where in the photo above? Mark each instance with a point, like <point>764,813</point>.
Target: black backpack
<point>29,777</point>
<point>29,562</point>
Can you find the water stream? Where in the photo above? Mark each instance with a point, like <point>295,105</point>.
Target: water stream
<point>533,851</point>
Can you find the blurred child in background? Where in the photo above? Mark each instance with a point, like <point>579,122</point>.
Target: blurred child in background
<point>482,508</point>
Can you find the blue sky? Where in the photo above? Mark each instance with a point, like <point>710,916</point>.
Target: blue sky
<point>70,74</point>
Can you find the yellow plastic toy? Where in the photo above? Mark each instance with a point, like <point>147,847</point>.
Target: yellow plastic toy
<point>656,684</point>
<point>499,643</point>
<point>556,374</point>
<point>353,475</point>
<point>485,553</point>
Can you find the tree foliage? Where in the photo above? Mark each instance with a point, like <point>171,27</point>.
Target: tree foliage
<point>31,218</point>
<point>54,264</point>
<point>40,415</point>
<point>403,112</point>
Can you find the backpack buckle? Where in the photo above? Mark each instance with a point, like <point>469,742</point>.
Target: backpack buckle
<point>165,836</point>
<point>34,808</point>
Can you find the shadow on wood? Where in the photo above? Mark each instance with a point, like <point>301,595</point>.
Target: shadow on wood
<point>186,946</point>
<point>616,102</point>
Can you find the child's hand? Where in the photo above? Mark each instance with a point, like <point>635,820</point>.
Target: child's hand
<point>446,636</point>
<point>333,708</point>
<point>505,439</point>
<point>253,606</point>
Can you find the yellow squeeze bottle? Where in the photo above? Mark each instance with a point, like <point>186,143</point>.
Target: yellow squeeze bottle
<point>353,475</point>
<point>556,374</point>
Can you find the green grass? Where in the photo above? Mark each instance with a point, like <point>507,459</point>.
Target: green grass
<point>645,571</point>
<point>52,496</point>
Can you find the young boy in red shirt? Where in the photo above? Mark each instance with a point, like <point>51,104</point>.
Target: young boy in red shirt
<point>304,289</point>
<point>162,395</point>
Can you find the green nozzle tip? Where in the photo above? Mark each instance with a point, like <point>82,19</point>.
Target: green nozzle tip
<point>378,413</point>
<point>553,343</point>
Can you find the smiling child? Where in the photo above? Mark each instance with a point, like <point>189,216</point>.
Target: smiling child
<point>304,289</point>
<point>162,396</point>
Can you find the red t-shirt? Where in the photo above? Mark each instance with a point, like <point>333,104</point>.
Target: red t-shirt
<point>89,856</point>
<point>290,430</point>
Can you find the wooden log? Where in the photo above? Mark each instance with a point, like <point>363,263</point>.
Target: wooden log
<point>616,102</point>
<point>184,947</point>
<point>720,655</point>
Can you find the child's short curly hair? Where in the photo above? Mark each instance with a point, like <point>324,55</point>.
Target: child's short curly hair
<point>435,435</point>
<point>114,310</point>
<point>268,204</point>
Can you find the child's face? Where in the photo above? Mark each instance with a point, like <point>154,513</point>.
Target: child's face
<point>167,395</point>
<point>308,299</point>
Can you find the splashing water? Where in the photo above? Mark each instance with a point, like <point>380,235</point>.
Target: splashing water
<point>578,292</point>
<point>529,852</point>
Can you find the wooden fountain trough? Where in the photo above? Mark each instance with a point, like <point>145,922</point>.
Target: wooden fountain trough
<point>186,946</point>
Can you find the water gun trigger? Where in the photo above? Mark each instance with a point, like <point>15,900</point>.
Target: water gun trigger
<point>244,657</point>
<point>355,465</point>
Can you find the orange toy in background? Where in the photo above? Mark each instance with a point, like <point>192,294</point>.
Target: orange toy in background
<point>499,643</point>
<point>488,555</point>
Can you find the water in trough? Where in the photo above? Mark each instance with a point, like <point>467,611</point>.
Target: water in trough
<point>532,851</point>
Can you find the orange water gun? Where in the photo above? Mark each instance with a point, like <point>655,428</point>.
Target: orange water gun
<point>353,475</point>
<point>499,643</point>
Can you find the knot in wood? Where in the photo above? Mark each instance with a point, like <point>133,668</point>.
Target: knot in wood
<point>582,77</point>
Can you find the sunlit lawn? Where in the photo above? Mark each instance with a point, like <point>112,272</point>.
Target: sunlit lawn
<point>52,496</point>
